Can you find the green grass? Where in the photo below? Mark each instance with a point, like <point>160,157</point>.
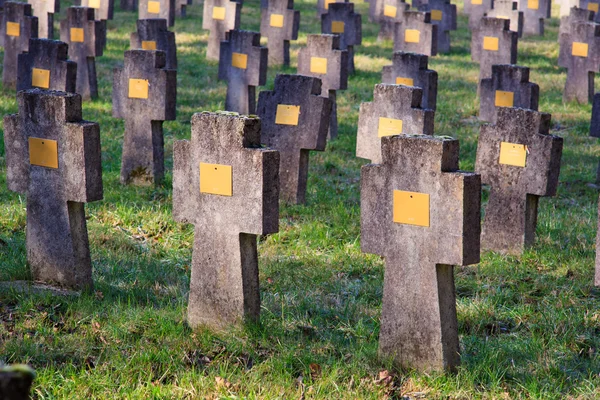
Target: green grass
<point>529,327</point>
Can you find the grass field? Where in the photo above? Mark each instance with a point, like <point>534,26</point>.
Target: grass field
<point>529,326</point>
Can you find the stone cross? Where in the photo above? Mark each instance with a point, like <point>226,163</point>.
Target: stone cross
<point>443,14</point>
<point>387,13</point>
<point>580,55</point>
<point>323,59</point>
<point>279,24</point>
<point>295,120</point>
<point>45,66</point>
<point>181,7</point>
<point>594,6</point>
<point>220,17</point>
<point>477,9</point>
<point>103,9</point>
<point>157,9</point>
<point>323,5</point>
<point>18,27</point>
<point>410,69</point>
<point>577,16</point>
<point>243,65</point>
<point>44,10</point>
<point>153,34</point>
<point>520,160</point>
<point>509,86</point>
<point>493,43</point>
<point>85,38</point>
<point>421,214</point>
<point>416,34</point>
<point>145,95</point>
<point>228,187</point>
<point>534,12</point>
<point>395,110</point>
<point>54,157</point>
<point>508,9</point>
<point>343,21</point>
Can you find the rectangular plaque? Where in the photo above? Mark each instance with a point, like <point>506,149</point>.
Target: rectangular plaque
<point>276,20</point>
<point>287,114</point>
<point>77,35</point>
<point>239,60</point>
<point>593,7</point>
<point>390,11</point>
<point>412,35</point>
<point>476,2</point>
<point>218,13</point>
<point>404,81</point>
<point>43,152</point>
<point>389,127</point>
<point>580,49</point>
<point>216,179</point>
<point>504,99</point>
<point>154,7</point>
<point>411,208</point>
<point>148,45</point>
<point>13,29</point>
<point>94,4</point>
<point>40,78</point>
<point>533,4</point>
<point>436,15</point>
<point>337,26</point>
<point>513,154</point>
<point>138,88</point>
<point>490,43</point>
<point>318,65</point>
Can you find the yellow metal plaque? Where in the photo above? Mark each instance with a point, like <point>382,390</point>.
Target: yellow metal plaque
<point>337,26</point>
<point>148,45</point>
<point>43,152</point>
<point>327,3</point>
<point>40,78</point>
<point>390,11</point>
<point>593,7</point>
<point>580,49</point>
<point>476,2</point>
<point>411,208</point>
<point>490,43</point>
<point>389,127</point>
<point>138,88</point>
<point>219,13</point>
<point>94,3</point>
<point>13,29</point>
<point>436,15</point>
<point>404,81</point>
<point>513,154</point>
<point>502,17</point>
<point>412,35</point>
<point>77,35</point>
<point>287,115</point>
<point>154,7</point>
<point>318,65</point>
<point>239,60</point>
<point>276,21</point>
<point>533,4</point>
<point>216,179</point>
<point>504,99</point>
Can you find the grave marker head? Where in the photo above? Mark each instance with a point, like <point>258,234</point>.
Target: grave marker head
<point>45,66</point>
<point>410,69</point>
<point>492,42</point>
<point>477,9</point>
<point>443,14</point>
<point>279,24</point>
<point>44,10</point>
<point>153,34</point>
<point>18,27</point>
<point>157,9</point>
<point>508,9</point>
<point>578,15</point>
<point>343,21</point>
<point>416,34</point>
<point>387,13</point>
<point>220,17</point>
<point>534,13</point>
<point>323,5</point>
<point>103,9</point>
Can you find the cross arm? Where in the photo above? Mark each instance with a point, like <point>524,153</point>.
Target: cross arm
<point>17,155</point>
<point>81,158</point>
<point>185,198</point>
<point>294,27</point>
<point>543,164</point>
<point>375,218</point>
<point>258,62</point>
<point>119,93</point>
<point>320,107</point>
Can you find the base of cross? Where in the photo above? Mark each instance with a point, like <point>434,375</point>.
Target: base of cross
<point>29,287</point>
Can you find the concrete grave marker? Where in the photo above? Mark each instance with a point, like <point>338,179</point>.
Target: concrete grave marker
<point>477,9</point>
<point>228,187</point>
<point>395,110</point>
<point>508,9</point>
<point>103,9</point>
<point>279,24</point>
<point>343,21</point>
<point>416,34</point>
<point>410,69</point>
<point>409,205</point>
<point>520,160</point>
<point>577,16</point>
<point>145,95</point>
<point>44,10</point>
<point>323,59</point>
<point>593,5</point>
<point>54,157</point>
<point>153,34</point>
<point>534,13</point>
<point>45,66</point>
<point>243,65</point>
<point>509,86</point>
<point>493,43</point>
<point>18,27</point>
<point>220,17</point>
<point>157,9</point>
<point>443,14</point>
<point>295,120</point>
<point>323,5</point>
<point>85,38</point>
<point>387,13</point>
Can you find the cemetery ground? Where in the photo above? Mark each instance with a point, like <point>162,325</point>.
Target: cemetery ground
<point>529,326</point>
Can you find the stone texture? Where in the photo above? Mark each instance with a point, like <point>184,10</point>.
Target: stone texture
<point>103,9</point>
<point>16,13</point>
<point>224,287</point>
<point>294,141</point>
<point>476,10</point>
<point>343,13</point>
<point>57,242</point>
<point>279,24</point>
<point>406,37</point>
<point>443,14</point>
<point>155,33</point>
<point>323,5</point>
<point>493,30</point>
<point>225,21</point>
<point>15,382</point>
<point>395,102</point>
<point>534,13</point>
<point>511,212</point>
<point>44,10</point>
<point>387,13</point>
<point>157,9</point>
<point>508,9</point>
<point>336,75</point>
<point>143,144</point>
<point>407,67</point>
<point>513,80</point>
<point>84,52</point>
<point>577,16</point>
<point>418,317</point>
<point>48,55</point>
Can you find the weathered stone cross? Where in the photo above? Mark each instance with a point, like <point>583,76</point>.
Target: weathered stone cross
<point>158,9</point>
<point>508,9</point>
<point>410,69</point>
<point>534,12</point>
<point>343,21</point>
<point>18,27</point>
<point>443,14</point>
<point>45,66</point>
<point>279,24</point>
<point>416,34</point>
<point>153,34</point>
<point>44,10</point>
<point>492,42</point>
<point>219,17</point>
<point>103,9</point>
